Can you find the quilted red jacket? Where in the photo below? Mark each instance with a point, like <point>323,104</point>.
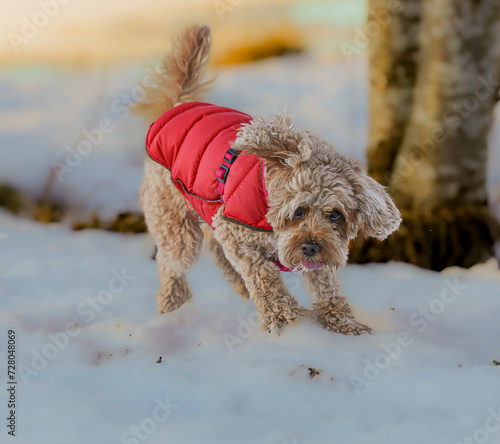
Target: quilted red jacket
<point>192,140</point>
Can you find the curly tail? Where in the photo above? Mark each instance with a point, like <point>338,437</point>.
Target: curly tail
<point>180,76</point>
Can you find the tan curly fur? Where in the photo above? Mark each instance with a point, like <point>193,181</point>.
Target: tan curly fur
<point>180,75</point>
<point>303,172</point>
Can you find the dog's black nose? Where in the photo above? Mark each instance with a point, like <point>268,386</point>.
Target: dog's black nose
<point>310,249</point>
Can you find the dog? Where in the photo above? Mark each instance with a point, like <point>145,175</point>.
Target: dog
<point>264,196</point>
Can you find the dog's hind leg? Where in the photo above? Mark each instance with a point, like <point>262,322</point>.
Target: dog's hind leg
<point>178,236</point>
<point>230,274</point>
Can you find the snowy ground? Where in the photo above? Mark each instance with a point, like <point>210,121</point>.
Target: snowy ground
<point>88,346</point>
<point>83,309</point>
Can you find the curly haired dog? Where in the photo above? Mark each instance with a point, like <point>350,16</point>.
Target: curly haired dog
<point>276,198</point>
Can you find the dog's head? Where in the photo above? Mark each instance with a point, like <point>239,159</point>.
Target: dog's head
<point>318,199</point>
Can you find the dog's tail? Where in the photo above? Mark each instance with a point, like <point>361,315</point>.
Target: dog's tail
<point>180,77</point>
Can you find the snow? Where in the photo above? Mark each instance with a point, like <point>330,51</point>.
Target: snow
<point>88,345</point>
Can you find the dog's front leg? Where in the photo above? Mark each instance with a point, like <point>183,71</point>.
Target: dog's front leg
<point>268,292</point>
<point>333,310</point>
<point>246,250</point>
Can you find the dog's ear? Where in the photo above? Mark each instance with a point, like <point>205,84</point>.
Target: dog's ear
<point>277,142</point>
<point>377,212</point>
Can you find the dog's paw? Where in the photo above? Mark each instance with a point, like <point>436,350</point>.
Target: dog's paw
<point>276,321</point>
<point>353,328</point>
<point>344,326</point>
<point>166,305</point>
<point>173,296</point>
<point>336,316</point>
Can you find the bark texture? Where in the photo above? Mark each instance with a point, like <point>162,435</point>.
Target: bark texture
<point>393,74</point>
<point>434,81</point>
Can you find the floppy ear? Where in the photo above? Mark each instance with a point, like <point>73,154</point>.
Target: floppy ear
<point>275,142</point>
<point>377,211</point>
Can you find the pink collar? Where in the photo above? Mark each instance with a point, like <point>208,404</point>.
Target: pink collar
<point>281,266</point>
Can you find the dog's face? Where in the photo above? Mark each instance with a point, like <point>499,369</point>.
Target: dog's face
<point>318,199</point>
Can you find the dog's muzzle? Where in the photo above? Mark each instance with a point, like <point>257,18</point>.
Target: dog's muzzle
<point>310,249</point>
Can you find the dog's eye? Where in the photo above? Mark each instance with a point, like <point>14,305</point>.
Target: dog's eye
<point>298,213</point>
<point>335,215</point>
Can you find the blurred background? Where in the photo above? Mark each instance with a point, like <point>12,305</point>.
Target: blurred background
<point>80,34</point>
<point>69,68</point>
<point>72,151</point>
<point>67,65</point>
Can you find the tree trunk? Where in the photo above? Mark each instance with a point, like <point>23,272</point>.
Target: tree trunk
<point>393,69</point>
<point>434,81</point>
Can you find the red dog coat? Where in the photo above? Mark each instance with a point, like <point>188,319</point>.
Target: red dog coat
<point>193,141</point>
